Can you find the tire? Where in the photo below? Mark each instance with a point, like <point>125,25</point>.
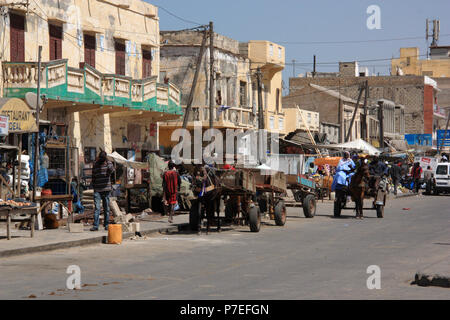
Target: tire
<point>298,196</point>
<point>254,219</point>
<point>280,214</point>
<point>194,216</point>
<point>380,211</point>
<point>309,206</point>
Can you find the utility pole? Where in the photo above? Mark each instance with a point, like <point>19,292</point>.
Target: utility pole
<point>194,82</point>
<point>314,67</point>
<point>38,110</point>
<point>293,68</point>
<point>366,97</point>
<point>211,75</point>
<point>260,103</point>
<point>445,132</point>
<point>361,88</point>
<point>380,119</point>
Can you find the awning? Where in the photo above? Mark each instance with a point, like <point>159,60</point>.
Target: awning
<point>358,144</point>
<point>127,163</point>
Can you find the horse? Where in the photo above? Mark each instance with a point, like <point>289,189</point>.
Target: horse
<point>210,198</point>
<point>357,188</point>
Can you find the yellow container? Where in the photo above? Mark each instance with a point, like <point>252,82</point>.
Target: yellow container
<point>115,234</point>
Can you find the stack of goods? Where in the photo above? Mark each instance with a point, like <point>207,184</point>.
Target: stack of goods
<point>25,173</point>
<point>88,199</point>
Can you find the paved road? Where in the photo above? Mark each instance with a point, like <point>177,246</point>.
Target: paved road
<point>320,258</point>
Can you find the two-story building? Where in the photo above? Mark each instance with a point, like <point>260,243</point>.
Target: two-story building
<point>235,84</point>
<point>99,71</point>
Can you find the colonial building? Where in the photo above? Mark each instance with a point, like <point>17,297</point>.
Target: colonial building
<point>235,85</point>
<point>99,73</point>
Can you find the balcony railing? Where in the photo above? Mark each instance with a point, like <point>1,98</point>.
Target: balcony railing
<point>87,85</point>
<point>229,118</point>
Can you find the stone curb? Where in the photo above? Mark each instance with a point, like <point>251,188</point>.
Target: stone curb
<point>404,195</point>
<point>435,280</point>
<point>89,241</point>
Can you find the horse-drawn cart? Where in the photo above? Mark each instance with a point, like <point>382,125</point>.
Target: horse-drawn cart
<point>247,195</point>
<point>305,192</point>
<point>375,188</point>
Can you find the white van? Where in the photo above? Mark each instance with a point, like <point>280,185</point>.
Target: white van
<point>442,178</point>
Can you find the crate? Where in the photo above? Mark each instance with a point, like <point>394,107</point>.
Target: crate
<point>276,179</point>
<point>239,180</point>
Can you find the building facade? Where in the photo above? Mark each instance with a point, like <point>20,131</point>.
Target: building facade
<point>100,71</point>
<point>437,66</point>
<point>235,83</point>
<point>417,95</point>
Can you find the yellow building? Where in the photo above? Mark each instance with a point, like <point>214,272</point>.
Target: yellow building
<point>409,63</point>
<point>270,58</point>
<point>297,118</point>
<point>100,70</point>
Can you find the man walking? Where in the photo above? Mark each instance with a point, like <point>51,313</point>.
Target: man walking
<point>171,186</point>
<point>416,174</point>
<point>396,174</point>
<point>427,176</point>
<point>101,181</point>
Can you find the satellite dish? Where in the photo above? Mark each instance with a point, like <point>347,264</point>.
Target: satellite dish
<point>30,99</point>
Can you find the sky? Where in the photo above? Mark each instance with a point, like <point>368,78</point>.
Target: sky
<point>297,24</point>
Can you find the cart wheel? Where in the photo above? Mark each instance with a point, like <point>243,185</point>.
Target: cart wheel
<point>194,216</point>
<point>280,214</point>
<point>309,206</point>
<point>298,196</point>
<point>254,219</point>
<point>380,211</point>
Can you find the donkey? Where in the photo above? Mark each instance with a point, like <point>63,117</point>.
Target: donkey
<point>211,198</point>
<point>357,188</point>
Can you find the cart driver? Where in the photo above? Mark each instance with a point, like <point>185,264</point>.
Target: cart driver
<point>344,170</point>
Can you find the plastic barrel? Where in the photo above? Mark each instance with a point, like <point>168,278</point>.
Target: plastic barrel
<point>115,234</point>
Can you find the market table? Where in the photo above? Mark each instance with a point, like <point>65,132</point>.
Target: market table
<point>10,213</point>
<point>46,200</point>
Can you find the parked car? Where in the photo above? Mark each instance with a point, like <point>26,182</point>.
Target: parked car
<point>441,181</point>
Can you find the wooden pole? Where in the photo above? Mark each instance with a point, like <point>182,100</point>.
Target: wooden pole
<point>20,166</point>
<point>38,110</point>
<point>194,82</point>
<point>307,129</point>
<point>211,75</point>
<point>354,114</point>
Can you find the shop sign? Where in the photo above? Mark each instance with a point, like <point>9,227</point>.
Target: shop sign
<point>3,126</point>
<point>20,116</point>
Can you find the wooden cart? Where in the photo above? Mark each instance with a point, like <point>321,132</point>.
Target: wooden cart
<point>305,191</point>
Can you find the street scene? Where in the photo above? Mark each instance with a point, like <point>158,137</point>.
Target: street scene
<point>146,156</point>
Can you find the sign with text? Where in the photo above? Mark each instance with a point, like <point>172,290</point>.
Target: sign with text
<point>419,139</point>
<point>440,137</point>
<point>3,126</point>
<point>20,116</point>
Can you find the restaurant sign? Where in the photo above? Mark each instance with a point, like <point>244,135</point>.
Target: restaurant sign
<point>20,116</point>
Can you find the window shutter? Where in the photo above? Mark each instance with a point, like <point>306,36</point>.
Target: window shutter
<point>120,58</point>
<point>146,63</point>
<point>17,38</point>
<point>89,50</point>
<point>55,33</point>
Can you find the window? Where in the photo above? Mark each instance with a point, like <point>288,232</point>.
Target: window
<point>408,61</point>
<point>90,154</point>
<point>281,123</point>
<point>219,98</point>
<point>242,94</point>
<point>271,50</point>
<point>120,57</point>
<point>162,75</point>
<point>89,49</point>
<point>55,41</point>
<point>17,37</point>
<point>441,170</point>
<point>146,63</point>
<point>272,122</point>
<point>280,51</point>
